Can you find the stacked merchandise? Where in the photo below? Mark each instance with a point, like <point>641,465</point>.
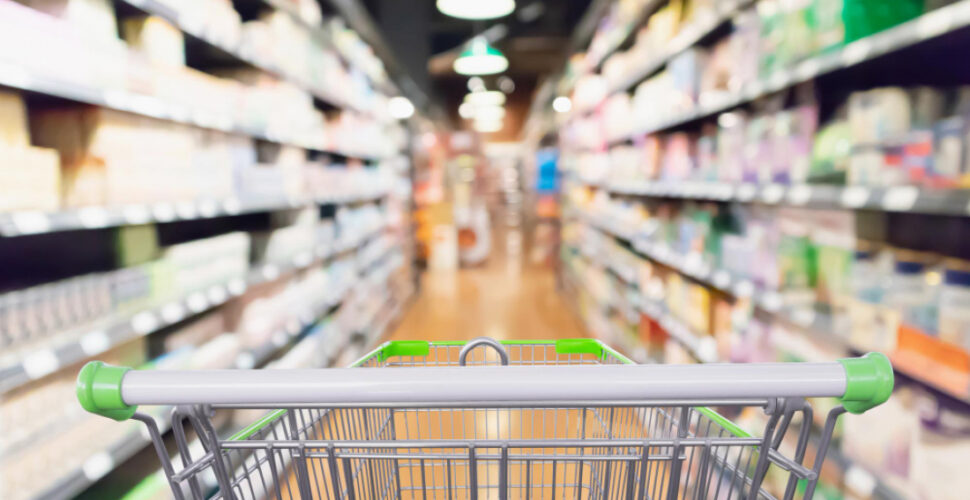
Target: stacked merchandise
<point>79,55</point>
<point>729,95</point>
<point>882,137</point>
<point>270,159</point>
<point>94,157</point>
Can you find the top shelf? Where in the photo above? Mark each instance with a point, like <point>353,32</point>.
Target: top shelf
<point>931,25</point>
<point>198,30</point>
<point>79,87</point>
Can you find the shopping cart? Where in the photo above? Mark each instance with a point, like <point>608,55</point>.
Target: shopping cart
<point>437,420</point>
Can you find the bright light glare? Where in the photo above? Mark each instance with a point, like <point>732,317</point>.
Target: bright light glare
<point>466,110</point>
<point>476,84</point>
<point>488,126</point>
<point>562,104</point>
<point>476,9</point>
<point>487,98</point>
<point>482,64</point>
<point>489,113</point>
<point>400,108</point>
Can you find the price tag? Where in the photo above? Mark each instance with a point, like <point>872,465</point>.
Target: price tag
<point>799,195</point>
<point>772,194</point>
<point>807,69</point>
<point>237,287</point>
<point>40,363</point>
<point>95,343</point>
<point>136,214</point>
<point>855,196</point>
<point>93,217</point>
<point>771,301</point>
<point>163,212</point>
<point>186,210</point>
<point>303,259</point>
<point>860,481</point>
<point>803,317</point>
<point>856,52</point>
<point>117,99</point>
<point>217,294</point>
<point>280,339</point>
<point>270,272</point>
<point>900,199</point>
<point>245,361</point>
<point>97,465</point>
<point>933,24</point>
<point>744,289</point>
<point>31,222</point>
<point>707,350</point>
<point>779,80</point>
<point>173,312</point>
<point>746,192</point>
<point>208,209</point>
<point>15,76</point>
<point>197,302</point>
<point>232,206</point>
<point>144,322</point>
<point>721,279</point>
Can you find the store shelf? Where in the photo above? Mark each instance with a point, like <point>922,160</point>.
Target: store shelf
<point>817,323</point>
<point>687,38</point>
<point>910,199</point>
<point>100,464</point>
<point>95,217</point>
<point>639,20</point>
<point>198,29</point>
<point>322,32</point>
<point>70,86</point>
<point>125,327</point>
<point>931,25</point>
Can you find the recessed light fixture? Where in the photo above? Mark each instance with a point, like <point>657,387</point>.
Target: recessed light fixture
<point>476,9</point>
<point>486,98</point>
<point>489,113</point>
<point>480,58</point>
<point>562,104</point>
<point>400,108</point>
<point>488,126</point>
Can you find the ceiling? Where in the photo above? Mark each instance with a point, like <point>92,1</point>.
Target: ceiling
<point>534,38</point>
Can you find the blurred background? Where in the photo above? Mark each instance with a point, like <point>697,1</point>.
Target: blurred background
<point>190,184</point>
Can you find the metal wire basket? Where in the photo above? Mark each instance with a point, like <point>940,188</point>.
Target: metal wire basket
<point>439,420</point>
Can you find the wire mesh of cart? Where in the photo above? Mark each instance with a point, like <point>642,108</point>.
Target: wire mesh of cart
<point>486,419</point>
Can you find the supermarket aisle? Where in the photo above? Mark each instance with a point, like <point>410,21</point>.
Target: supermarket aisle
<point>502,300</point>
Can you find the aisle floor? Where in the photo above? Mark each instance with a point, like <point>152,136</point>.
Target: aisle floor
<point>502,300</point>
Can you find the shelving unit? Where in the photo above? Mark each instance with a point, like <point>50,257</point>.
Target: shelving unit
<point>658,218</point>
<point>932,25</point>
<point>197,28</point>
<point>343,146</point>
<point>34,222</point>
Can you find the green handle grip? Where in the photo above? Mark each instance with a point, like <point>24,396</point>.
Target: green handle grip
<point>99,390</point>
<point>868,382</point>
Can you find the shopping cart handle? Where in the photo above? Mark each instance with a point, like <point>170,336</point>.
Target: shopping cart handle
<point>860,383</point>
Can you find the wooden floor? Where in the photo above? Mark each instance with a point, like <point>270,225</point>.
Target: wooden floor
<point>502,299</point>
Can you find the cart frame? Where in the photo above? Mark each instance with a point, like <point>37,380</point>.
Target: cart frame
<point>547,426</point>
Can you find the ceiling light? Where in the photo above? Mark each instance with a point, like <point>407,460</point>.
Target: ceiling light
<point>562,104</point>
<point>400,108</point>
<point>476,84</point>
<point>506,84</point>
<point>487,98</point>
<point>480,58</point>
<point>476,9</point>
<point>488,126</point>
<point>466,110</point>
<point>489,113</point>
